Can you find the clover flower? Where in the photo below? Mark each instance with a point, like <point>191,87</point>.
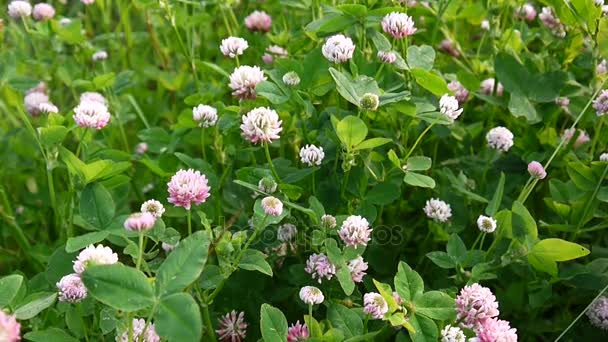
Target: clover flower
<point>601,68</point>
<point>139,324</point>
<point>500,138</point>
<point>18,9</point>
<point>91,114</point>
<point>272,52</point>
<point>291,79</point>
<point>43,11</point>
<point>598,313</point>
<point>486,224</point>
<point>188,187</point>
<point>328,221</point>
<point>286,232</point>
<point>582,138</point>
<point>10,329</point>
<point>475,304</point>
<point>374,305</point>
<point>100,56</point>
<point>460,92</point>
<point>312,155</point>
<point>398,25</point>
<point>485,25</point>
<point>92,255</point>
<point>604,157</point>
<point>537,170</point>
<point>438,210</point>
<point>261,124</point>
<point>258,21</point>
<point>48,108</point>
<point>448,106</point>
<point>338,49</point>
<point>387,57</point>
<point>267,185</point>
<point>448,47</point>
<point>233,46</point>
<point>494,330</point>
<point>206,116</point>
<point>243,81</point>
<point>139,222</point>
<point>153,207</point>
<point>272,206</point>
<point>33,100</point>
<point>141,148</point>
<point>94,97</point>
<point>452,334</point>
<point>71,289</point>
<point>357,268</point>
<point>355,231</point>
<point>552,22</point>
<point>601,103</point>
<point>319,266</point>
<point>370,102</point>
<point>297,332</point>
<point>311,295</point>
<point>526,12</point>
<point>487,87</point>
<point>232,327</point>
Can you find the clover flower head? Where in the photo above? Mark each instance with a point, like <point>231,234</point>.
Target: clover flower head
<point>388,57</point>
<point>18,9</point>
<point>355,231</point>
<point>297,332</point>
<point>139,324</point>
<point>258,21</point>
<point>487,87</point>
<point>188,187</point>
<point>398,25</point>
<point>267,185</point>
<point>374,305</point>
<point>357,268</point>
<point>286,232</point>
<point>91,114</point>
<point>233,46</point>
<point>243,81</point>
<point>33,100</point>
<point>500,138</point>
<point>460,92</point>
<point>486,224</point>
<point>10,329</point>
<point>94,255</point>
<point>312,155</point>
<point>139,222</point>
<point>291,79</point>
<point>448,106</point>
<point>311,295</point>
<point>319,266</point>
<point>272,206</point>
<point>598,313</point>
<point>338,49</point>
<point>582,138</point>
<point>261,124</point>
<point>100,56</point>
<point>452,334</point>
<point>328,221</point>
<point>526,12</point>
<point>549,19</point>
<point>494,330</point>
<point>153,207</point>
<point>537,170</point>
<point>475,304</point>
<point>438,210</point>
<point>71,289</point>
<point>206,116</point>
<point>43,11</point>
<point>601,103</point>
<point>232,327</point>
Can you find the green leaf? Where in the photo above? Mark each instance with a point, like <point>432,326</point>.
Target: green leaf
<point>559,250</point>
<point>97,205</point>
<point>355,10</point>
<point>104,81</point>
<point>272,92</point>
<point>330,24</point>
<point>49,335</point>
<point>425,329</point>
<point>52,135</point>
<point>121,287</point>
<point>523,225</point>
<point>313,326</point>
<point>519,106</point>
<point>392,156</point>
<point>582,176</point>
<point>408,283</point>
<point>494,205</point>
<point>430,81</point>
<point>79,242</point>
<point>419,163</point>
<point>345,86</point>
<point>184,265</point>
<point>178,318</point>
<point>372,143</point>
<point>9,287</point>
<point>254,260</point>
<point>272,324</point>
<point>421,57</point>
<point>602,37</point>
<point>436,305</point>
<point>35,304</point>
<point>456,248</point>
<point>351,131</point>
<point>383,194</point>
<point>416,179</point>
<point>387,293</point>
<point>441,259</point>
<point>345,319</point>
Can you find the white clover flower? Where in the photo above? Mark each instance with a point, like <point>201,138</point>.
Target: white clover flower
<point>48,108</point>
<point>33,100</point>
<point>355,231</point>
<point>91,114</point>
<point>500,138</point>
<point>43,11</point>
<point>448,106</point>
<point>261,124</point>
<point>485,25</point>
<point>19,9</point>
<point>286,232</point>
<point>604,157</point>
<point>338,49</point>
<point>398,25</point>
<point>153,207</point>
<point>328,221</point>
<point>452,334</point>
<point>92,255</point>
<point>312,155</point>
<point>487,87</point>
<point>357,268</point>
<point>438,210</point>
<point>100,55</point>
<point>233,46</point>
<point>311,295</point>
<point>243,81</point>
<point>206,116</point>
<point>486,224</point>
<point>272,206</point>
<point>388,57</point>
<point>291,79</point>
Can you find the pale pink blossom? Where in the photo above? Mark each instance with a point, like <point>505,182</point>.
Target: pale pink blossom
<point>272,206</point>
<point>91,114</point>
<point>374,305</point>
<point>355,231</point>
<point>297,332</point>
<point>71,289</point>
<point>537,170</point>
<point>188,187</point>
<point>496,330</point>
<point>338,49</point>
<point>139,324</point>
<point>243,81</point>
<point>474,304</point>
<point>261,124</point>
<point>43,11</point>
<point>10,329</point>
<point>139,222</point>
<point>357,268</point>
<point>319,266</point>
<point>258,21</point>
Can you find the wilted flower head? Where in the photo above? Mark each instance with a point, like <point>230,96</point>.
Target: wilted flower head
<point>398,25</point>
<point>267,185</point>
<point>187,187</point>
<point>233,46</point>
<point>601,103</point>
<point>232,327</point>
<point>526,12</point>
<point>452,334</point>
<point>43,11</point>
<point>537,170</point>
<point>272,52</point>
<point>19,9</point>
<point>99,56</point>
<point>48,108</point>
<point>601,68</point>
<point>153,207</point>
<point>91,114</point>
<point>388,57</point>
<point>33,100</point>
<point>297,332</point>
<point>448,106</point>
<point>338,48</point>
<point>291,79</point>
<point>494,330</point>
<point>374,305</point>
<point>486,224</point>
<point>286,232</point>
<point>272,206</point>
<point>474,304</point>
<point>206,116</point>
<point>487,87</point>
<point>141,148</point>
<point>139,222</point>
<point>604,157</point>
<point>71,289</point>
<point>582,138</point>
<point>437,210</point>
<point>460,92</point>
<point>552,22</point>
<point>244,79</point>
<point>92,255</point>
<point>319,266</point>
<point>311,295</point>
<point>261,124</point>
<point>598,313</point>
<point>500,138</point>
<point>312,155</point>
<point>369,102</point>
<point>10,329</point>
<point>93,96</point>
<point>258,21</point>
<point>448,47</point>
<point>328,221</point>
<point>139,325</point>
<point>355,231</point>
<point>357,268</point>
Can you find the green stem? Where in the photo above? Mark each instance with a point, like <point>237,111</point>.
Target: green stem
<point>596,137</point>
<point>274,171</point>
<point>189,222</point>
<point>310,310</point>
<point>207,318</point>
<point>51,185</point>
<point>314,187</point>
<point>203,143</point>
<point>473,247</point>
<point>140,255</point>
<point>420,138</point>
